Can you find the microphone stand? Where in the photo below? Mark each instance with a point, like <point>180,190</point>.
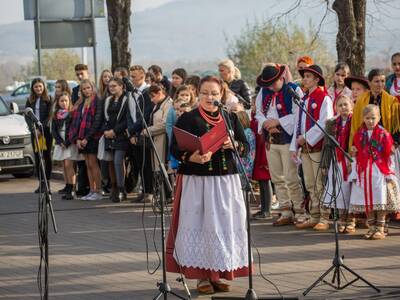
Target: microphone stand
<point>163,181</point>
<point>337,262</point>
<point>45,207</point>
<point>247,188</point>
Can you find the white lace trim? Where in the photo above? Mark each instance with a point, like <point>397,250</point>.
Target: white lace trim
<point>216,251</point>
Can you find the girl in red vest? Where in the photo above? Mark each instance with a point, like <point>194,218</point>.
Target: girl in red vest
<point>260,169</point>
<point>339,127</point>
<point>375,189</point>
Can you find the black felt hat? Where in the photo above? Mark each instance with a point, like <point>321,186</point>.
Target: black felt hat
<point>269,75</point>
<point>361,80</point>
<point>316,70</point>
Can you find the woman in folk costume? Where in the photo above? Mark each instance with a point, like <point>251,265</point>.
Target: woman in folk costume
<point>208,240</point>
<point>339,127</point>
<point>375,190</point>
<point>388,106</point>
<point>309,138</point>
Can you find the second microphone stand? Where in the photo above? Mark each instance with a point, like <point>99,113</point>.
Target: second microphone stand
<point>162,178</point>
<point>247,191</point>
<point>337,262</point>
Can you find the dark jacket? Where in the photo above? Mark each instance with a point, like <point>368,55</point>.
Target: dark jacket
<point>45,112</point>
<point>75,94</point>
<point>56,126</point>
<point>242,91</point>
<point>116,118</point>
<point>166,83</point>
<point>143,99</point>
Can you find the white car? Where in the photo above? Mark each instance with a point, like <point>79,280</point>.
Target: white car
<point>16,153</point>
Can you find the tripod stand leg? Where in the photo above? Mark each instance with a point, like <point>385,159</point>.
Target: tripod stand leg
<point>177,296</point>
<point>158,296</point>
<point>361,278</point>
<point>321,278</point>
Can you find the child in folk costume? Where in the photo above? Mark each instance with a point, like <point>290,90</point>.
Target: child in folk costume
<point>309,138</point>
<point>339,127</point>
<point>338,88</point>
<point>374,189</point>
<point>357,85</point>
<point>261,169</point>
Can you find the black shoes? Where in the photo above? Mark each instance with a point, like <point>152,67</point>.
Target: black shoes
<point>68,192</point>
<point>118,195</point>
<point>63,190</point>
<point>121,196</point>
<point>67,196</point>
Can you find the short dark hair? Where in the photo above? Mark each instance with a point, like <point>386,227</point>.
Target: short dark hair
<point>155,69</point>
<point>181,73</point>
<point>155,88</point>
<point>81,67</point>
<point>375,72</point>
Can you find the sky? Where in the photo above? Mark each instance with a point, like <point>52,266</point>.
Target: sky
<point>15,10</point>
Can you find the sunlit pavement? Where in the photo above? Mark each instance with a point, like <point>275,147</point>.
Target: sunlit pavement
<point>99,253</point>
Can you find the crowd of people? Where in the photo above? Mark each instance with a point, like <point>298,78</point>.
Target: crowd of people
<point>103,144</point>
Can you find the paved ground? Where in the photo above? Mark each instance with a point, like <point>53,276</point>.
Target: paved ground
<point>99,253</point>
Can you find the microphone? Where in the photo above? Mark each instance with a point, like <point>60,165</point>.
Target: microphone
<point>218,103</point>
<point>28,112</point>
<point>293,93</point>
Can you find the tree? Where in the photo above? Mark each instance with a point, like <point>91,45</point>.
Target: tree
<point>350,39</point>
<point>56,64</point>
<point>262,43</point>
<point>119,27</point>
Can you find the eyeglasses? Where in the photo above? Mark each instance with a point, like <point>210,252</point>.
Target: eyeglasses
<point>112,85</point>
<point>205,94</point>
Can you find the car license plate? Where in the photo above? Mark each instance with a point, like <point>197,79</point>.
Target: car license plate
<point>11,154</point>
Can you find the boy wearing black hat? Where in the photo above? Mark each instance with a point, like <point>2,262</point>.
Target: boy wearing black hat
<point>275,112</point>
<point>308,137</point>
<point>358,86</point>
